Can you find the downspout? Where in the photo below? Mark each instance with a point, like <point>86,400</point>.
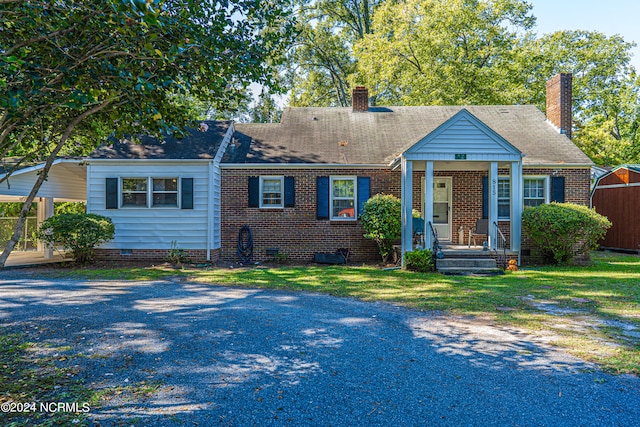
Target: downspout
<point>210,212</point>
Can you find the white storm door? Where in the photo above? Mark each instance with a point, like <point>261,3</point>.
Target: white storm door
<point>442,208</point>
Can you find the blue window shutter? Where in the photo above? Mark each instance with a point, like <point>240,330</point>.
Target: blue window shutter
<point>187,193</point>
<point>364,192</point>
<point>254,192</point>
<point>111,195</point>
<point>322,197</point>
<point>485,197</point>
<point>557,189</point>
<point>289,192</point>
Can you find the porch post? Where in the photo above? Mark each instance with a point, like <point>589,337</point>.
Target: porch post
<point>44,211</point>
<point>493,203</point>
<point>517,204</point>
<point>428,204</point>
<point>407,203</point>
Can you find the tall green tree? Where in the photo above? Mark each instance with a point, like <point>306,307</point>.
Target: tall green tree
<point>74,68</point>
<point>606,96</point>
<point>322,61</point>
<point>437,52</point>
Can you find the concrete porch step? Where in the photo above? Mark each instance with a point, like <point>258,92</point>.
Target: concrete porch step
<point>468,266</point>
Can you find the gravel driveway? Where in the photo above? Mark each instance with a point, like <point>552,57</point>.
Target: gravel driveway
<point>238,357</point>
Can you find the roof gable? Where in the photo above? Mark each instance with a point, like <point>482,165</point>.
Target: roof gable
<point>463,137</point>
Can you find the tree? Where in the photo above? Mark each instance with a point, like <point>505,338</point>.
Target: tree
<point>266,109</point>
<point>323,63</point>
<point>437,52</point>
<point>605,89</point>
<point>76,68</point>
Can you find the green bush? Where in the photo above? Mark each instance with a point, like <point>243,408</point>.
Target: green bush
<point>78,233</point>
<point>419,260</point>
<point>562,230</point>
<point>382,223</point>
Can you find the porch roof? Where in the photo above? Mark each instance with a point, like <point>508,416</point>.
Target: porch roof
<point>378,136</point>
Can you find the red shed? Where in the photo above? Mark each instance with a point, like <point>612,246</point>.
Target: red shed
<point>616,195</point>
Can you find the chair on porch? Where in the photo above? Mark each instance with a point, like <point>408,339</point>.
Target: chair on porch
<point>481,229</point>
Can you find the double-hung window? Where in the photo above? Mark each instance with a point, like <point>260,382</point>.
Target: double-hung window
<point>134,192</point>
<point>504,198</point>
<point>165,192</point>
<point>145,192</point>
<point>535,191</point>
<point>271,191</point>
<point>343,198</point>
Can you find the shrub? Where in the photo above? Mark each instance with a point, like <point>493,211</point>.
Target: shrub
<point>78,233</point>
<point>382,223</point>
<point>419,260</point>
<point>562,230</point>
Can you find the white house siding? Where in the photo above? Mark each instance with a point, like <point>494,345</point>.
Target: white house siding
<point>153,228</point>
<point>66,181</point>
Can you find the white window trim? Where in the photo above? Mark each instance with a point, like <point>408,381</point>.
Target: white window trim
<point>121,193</point>
<point>261,194</point>
<point>355,197</point>
<point>150,192</point>
<point>547,190</point>
<point>508,179</point>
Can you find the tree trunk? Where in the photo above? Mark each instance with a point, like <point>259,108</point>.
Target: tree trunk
<point>41,179</point>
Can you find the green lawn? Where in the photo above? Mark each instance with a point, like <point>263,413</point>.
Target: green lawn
<point>592,311</point>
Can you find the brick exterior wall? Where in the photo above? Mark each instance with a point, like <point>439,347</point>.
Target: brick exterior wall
<point>299,235</point>
<point>559,100</point>
<point>295,231</point>
<point>153,255</point>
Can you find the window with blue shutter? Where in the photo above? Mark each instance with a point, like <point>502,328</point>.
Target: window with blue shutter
<point>364,192</point>
<point>187,193</point>
<point>254,192</point>
<point>111,194</point>
<point>289,192</point>
<point>557,189</point>
<point>485,197</point>
<point>322,197</point>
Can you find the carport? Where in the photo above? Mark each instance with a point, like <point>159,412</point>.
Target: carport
<point>66,182</point>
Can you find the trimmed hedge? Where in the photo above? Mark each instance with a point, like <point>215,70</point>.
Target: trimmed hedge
<point>419,260</point>
<point>562,230</point>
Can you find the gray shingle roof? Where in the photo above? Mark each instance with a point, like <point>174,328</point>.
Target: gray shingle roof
<point>340,136</point>
<point>196,144</point>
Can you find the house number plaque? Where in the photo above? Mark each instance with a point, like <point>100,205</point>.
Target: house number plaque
<point>461,157</point>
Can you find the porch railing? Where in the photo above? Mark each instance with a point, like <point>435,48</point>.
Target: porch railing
<point>501,247</point>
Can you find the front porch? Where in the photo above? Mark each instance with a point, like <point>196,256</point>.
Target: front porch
<point>460,173</point>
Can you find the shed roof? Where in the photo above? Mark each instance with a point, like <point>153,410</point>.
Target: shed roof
<point>341,136</point>
<point>201,143</point>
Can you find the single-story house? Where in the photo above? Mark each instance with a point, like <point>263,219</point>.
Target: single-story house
<point>299,185</point>
<point>616,195</point>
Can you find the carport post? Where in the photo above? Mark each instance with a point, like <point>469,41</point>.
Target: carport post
<point>45,210</point>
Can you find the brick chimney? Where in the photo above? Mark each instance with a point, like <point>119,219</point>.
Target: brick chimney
<point>360,99</point>
<point>559,100</point>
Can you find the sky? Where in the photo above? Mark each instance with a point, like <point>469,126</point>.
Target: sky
<point>606,16</point>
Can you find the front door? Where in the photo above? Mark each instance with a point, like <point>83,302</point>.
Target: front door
<point>442,208</point>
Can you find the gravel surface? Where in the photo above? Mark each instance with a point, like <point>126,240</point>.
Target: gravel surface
<point>242,357</point>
